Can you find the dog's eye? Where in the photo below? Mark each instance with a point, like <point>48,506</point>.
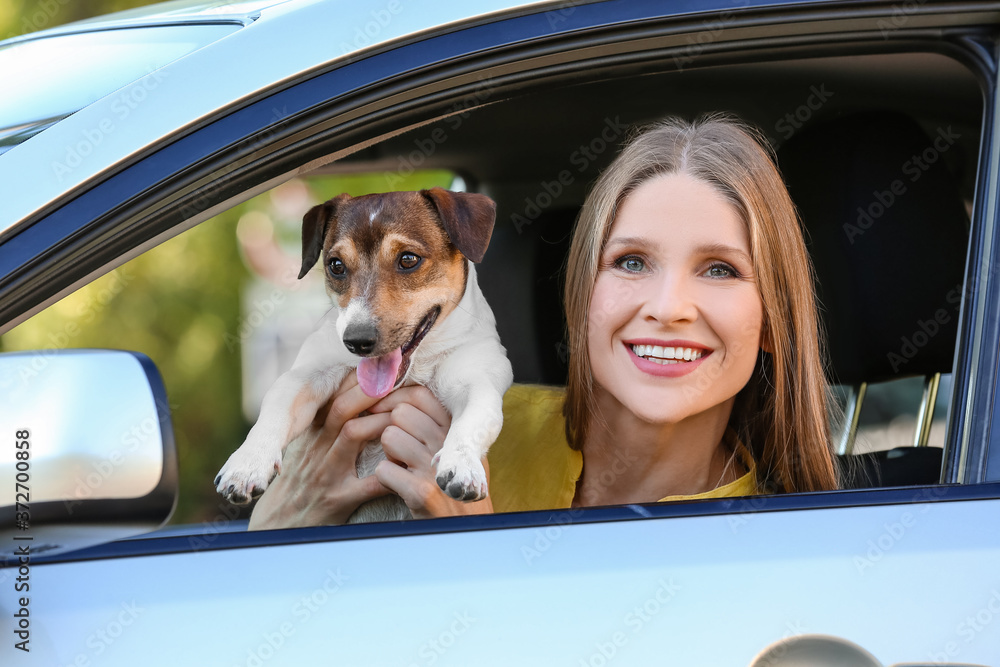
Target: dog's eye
<point>337,267</point>
<point>408,260</point>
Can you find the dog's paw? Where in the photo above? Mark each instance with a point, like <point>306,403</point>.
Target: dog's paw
<point>246,474</point>
<point>460,476</point>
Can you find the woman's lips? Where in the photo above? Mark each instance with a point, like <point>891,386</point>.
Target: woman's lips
<point>669,368</point>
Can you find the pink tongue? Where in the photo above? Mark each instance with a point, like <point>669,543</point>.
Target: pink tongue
<point>377,375</point>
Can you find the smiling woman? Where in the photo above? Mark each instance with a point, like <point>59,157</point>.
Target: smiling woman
<point>695,363</point>
<point>675,301</point>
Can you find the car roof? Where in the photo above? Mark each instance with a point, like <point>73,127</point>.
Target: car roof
<point>303,36</point>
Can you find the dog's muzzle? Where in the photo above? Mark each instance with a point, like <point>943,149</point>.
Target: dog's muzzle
<point>379,375</point>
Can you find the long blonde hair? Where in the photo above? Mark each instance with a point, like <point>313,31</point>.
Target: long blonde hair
<point>781,413</point>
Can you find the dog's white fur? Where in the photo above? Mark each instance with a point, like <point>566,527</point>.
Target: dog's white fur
<point>460,360</point>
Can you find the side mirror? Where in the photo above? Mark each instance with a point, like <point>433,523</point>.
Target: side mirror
<point>86,450</point>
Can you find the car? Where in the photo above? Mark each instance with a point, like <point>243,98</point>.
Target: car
<point>150,157</point>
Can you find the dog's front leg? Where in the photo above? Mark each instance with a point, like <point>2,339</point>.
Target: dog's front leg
<point>473,395</point>
<point>288,409</point>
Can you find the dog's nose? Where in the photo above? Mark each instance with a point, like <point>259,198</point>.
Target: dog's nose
<point>360,338</point>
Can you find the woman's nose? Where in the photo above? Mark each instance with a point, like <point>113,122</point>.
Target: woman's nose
<point>671,298</point>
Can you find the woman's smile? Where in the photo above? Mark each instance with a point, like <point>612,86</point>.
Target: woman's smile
<point>672,358</point>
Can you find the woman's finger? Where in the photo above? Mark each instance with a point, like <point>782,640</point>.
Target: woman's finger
<point>354,435</point>
<point>421,398</point>
<point>402,448</point>
<point>420,425</point>
<point>348,403</point>
<point>356,491</point>
<point>415,490</point>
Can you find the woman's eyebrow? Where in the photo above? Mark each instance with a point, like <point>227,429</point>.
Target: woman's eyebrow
<point>630,241</point>
<point>724,249</point>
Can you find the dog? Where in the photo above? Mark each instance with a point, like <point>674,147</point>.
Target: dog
<point>407,309</point>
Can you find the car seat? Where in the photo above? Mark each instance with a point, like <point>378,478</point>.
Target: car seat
<point>887,231</point>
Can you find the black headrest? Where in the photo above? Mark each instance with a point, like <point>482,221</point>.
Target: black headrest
<point>887,232</point>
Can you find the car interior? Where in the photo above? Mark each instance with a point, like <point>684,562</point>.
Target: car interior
<point>846,129</point>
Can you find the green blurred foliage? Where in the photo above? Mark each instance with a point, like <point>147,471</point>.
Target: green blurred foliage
<point>180,304</point>
<point>19,17</point>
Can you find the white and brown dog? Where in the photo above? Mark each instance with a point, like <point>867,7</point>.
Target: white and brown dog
<point>407,308</point>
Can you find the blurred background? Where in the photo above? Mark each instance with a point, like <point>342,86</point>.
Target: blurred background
<point>18,17</point>
<point>219,308</point>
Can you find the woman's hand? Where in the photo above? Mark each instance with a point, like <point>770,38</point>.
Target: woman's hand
<point>417,429</point>
<point>318,484</point>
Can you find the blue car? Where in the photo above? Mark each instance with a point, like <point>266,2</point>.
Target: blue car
<point>127,140</point>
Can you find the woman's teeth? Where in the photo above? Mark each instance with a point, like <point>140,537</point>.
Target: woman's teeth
<point>667,355</point>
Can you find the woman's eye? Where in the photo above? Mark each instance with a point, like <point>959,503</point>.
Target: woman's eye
<point>631,264</point>
<point>408,260</point>
<point>337,267</point>
<point>720,270</point>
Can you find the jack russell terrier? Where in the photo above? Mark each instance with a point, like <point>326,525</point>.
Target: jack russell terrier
<point>406,309</point>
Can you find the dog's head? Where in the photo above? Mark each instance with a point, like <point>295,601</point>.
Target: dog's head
<point>395,265</point>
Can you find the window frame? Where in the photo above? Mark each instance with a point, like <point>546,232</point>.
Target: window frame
<point>248,149</point>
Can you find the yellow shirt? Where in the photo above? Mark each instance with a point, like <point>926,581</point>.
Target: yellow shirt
<point>532,467</point>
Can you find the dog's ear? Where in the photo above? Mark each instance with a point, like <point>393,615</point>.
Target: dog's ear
<point>315,224</point>
<point>467,217</point>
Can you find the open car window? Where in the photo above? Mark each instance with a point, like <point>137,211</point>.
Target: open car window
<point>220,311</point>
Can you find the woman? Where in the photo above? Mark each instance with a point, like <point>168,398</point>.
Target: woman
<point>695,366</point>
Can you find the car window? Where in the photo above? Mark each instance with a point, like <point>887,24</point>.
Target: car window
<point>220,312</point>
<point>890,412</point>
